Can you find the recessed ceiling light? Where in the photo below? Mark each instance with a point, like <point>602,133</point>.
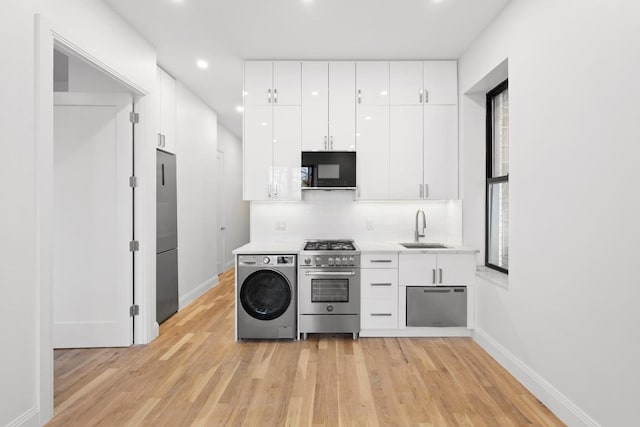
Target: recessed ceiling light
<point>307,1</point>
<point>368,118</point>
<point>239,108</point>
<point>201,63</point>
<point>264,123</point>
<point>384,93</point>
<point>314,93</point>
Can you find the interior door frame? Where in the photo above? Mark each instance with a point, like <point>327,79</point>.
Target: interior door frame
<point>145,328</point>
<point>222,222</point>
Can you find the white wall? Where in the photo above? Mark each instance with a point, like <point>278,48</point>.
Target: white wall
<point>236,210</point>
<point>325,215</point>
<point>196,163</point>
<point>82,77</point>
<point>568,322</point>
<point>25,245</point>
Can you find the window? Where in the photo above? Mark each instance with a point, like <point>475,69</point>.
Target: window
<point>497,216</point>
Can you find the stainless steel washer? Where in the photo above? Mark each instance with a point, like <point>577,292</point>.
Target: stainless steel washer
<point>266,296</point>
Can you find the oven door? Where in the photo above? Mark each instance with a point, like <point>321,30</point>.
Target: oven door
<point>329,292</point>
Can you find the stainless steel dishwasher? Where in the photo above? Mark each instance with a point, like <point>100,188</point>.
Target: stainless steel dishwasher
<point>436,306</point>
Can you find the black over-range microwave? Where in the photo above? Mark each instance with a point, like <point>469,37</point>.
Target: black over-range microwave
<point>326,170</point>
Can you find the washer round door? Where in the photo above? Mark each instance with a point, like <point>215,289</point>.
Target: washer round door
<point>265,295</point>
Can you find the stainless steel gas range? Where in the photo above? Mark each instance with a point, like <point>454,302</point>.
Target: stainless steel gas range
<point>329,287</point>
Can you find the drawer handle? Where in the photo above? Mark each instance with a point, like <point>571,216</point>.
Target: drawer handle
<point>380,284</point>
<point>381,314</point>
<point>380,260</point>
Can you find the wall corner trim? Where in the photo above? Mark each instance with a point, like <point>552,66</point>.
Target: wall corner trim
<point>557,402</point>
<point>196,292</point>
<point>27,419</point>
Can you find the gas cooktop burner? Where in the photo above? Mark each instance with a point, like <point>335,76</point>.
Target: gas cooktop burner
<point>329,245</point>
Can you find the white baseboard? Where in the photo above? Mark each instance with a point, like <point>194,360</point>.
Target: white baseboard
<point>416,332</point>
<point>193,294</point>
<point>230,264</point>
<point>553,399</point>
<point>31,418</point>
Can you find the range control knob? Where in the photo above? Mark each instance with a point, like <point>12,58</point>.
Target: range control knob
<point>266,260</point>
<point>307,261</point>
<point>330,261</point>
<point>351,260</point>
<point>338,260</point>
<point>345,260</point>
<point>318,260</point>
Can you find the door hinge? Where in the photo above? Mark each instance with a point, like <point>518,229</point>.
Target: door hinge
<point>134,246</point>
<point>134,117</point>
<point>134,310</point>
<point>133,181</point>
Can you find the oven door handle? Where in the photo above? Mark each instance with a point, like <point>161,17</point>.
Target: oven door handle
<point>329,273</point>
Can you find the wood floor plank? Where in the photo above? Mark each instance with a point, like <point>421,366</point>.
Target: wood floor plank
<point>195,374</point>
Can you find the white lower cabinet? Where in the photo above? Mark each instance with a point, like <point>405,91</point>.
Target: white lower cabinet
<point>379,292</point>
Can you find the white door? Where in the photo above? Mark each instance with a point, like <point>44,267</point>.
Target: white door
<point>258,83</point>
<point>441,82</point>
<point>257,152</point>
<point>373,152</point>
<point>286,154</point>
<point>456,269</point>
<point>441,152</point>
<point>93,267</point>
<point>406,86</point>
<point>405,152</point>
<point>222,219</point>
<point>417,270</point>
<point>286,82</point>
<point>342,105</point>
<point>372,81</point>
<point>315,105</point>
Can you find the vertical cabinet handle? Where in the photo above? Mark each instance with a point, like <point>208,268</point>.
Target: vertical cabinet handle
<point>275,96</point>
<point>164,140</point>
<point>269,95</point>
<point>326,144</point>
<point>426,96</point>
<point>426,191</point>
<point>433,276</point>
<point>440,274</point>
<point>420,96</point>
<point>331,142</point>
<point>359,96</point>
<point>160,140</point>
<point>269,190</point>
<point>163,174</point>
<point>421,191</point>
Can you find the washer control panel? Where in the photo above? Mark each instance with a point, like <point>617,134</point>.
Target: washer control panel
<point>258,260</point>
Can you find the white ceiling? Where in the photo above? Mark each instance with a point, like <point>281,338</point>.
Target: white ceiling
<point>226,32</point>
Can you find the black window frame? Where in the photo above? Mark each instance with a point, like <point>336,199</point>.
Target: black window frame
<point>491,95</point>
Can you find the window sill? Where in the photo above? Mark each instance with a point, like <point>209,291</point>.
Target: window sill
<point>493,276</point>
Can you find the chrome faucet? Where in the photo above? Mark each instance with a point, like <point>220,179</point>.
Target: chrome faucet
<point>417,235</point>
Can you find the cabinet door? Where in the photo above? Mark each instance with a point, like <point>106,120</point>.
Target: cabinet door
<point>417,270</point>
<point>342,105</point>
<point>315,106</point>
<point>441,82</point>
<point>372,81</point>
<point>456,269</point>
<point>373,152</point>
<point>406,86</point>
<point>257,152</point>
<point>168,112</point>
<point>405,152</point>
<point>441,152</point>
<point>286,82</point>
<point>286,153</point>
<point>258,83</point>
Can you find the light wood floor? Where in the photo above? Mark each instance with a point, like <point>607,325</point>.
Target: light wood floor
<point>195,374</point>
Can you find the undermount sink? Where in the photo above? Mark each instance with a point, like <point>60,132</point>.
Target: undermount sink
<point>424,245</point>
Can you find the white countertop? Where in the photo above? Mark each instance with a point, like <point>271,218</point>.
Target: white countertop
<point>365,247</point>
<point>284,248</point>
<point>378,247</point>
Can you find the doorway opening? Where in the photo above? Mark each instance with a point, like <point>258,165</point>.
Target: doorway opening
<point>222,227</point>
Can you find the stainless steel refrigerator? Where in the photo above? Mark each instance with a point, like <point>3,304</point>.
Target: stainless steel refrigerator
<point>166,237</point>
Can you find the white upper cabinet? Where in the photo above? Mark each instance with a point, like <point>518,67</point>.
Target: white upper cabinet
<point>286,82</point>
<point>405,153</point>
<point>373,152</point>
<point>406,84</point>
<point>328,106</point>
<point>315,105</point>
<point>166,140</point>
<point>342,105</point>
<point>272,83</point>
<point>258,152</point>
<point>440,82</point>
<point>286,154</point>
<point>440,152</point>
<point>372,81</point>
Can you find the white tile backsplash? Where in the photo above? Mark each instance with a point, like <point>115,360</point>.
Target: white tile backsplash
<point>334,215</point>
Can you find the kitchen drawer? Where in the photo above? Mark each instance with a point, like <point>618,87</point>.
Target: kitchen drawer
<point>380,260</point>
<point>379,283</point>
<point>379,314</point>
